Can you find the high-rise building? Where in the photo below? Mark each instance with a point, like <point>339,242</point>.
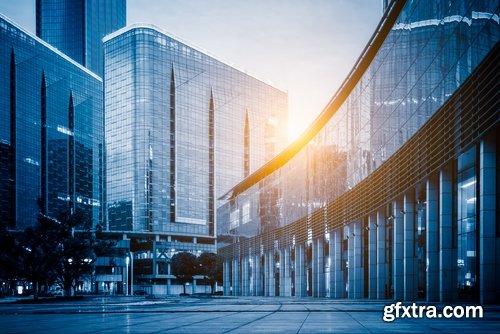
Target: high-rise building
<point>51,132</point>
<point>181,128</point>
<point>76,27</point>
<point>392,192</point>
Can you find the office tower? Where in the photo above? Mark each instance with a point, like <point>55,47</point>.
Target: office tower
<point>51,132</point>
<point>181,128</point>
<point>76,27</point>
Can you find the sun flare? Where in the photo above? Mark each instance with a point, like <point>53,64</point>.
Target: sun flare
<point>295,128</point>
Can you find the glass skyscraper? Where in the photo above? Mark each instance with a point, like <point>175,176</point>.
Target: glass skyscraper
<point>181,128</point>
<point>384,195</point>
<point>76,27</point>
<point>51,132</point>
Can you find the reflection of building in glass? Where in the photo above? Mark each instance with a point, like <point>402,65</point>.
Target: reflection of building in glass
<point>51,131</point>
<point>76,27</point>
<point>391,193</point>
<point>181,128</point>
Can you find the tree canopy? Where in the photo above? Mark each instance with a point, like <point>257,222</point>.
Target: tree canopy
<point>184,267</point>
<point>51,251</point>
<point>210,266</point>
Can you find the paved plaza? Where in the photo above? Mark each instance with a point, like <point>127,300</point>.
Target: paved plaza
<point>223,315</point>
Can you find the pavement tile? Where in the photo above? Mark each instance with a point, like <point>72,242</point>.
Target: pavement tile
<point>224,315</point>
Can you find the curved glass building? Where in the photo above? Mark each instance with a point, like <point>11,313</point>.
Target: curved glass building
<point>391,193</point>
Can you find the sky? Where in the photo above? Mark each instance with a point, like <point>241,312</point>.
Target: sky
<point>306,47</point>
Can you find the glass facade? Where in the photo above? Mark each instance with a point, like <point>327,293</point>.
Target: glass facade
<point>431,49</point>
<point>76,27</point>
<point>181,128</point>
<point>51,131</point>
<point>467,193</point>
<point>390,194</point>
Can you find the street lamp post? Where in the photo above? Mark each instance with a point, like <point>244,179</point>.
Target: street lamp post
<point>170,254</point>
<point>127,260</point>
<point>131,273</point>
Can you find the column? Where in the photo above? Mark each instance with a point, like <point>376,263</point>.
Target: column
<point>331,255</point>
<point>258,276</point>
<point>236,277</point>
<point>245,276</point>
<point>287,291</point>
<point>358,278</point>
<point>372,256</point>
<point>285,283</point>
<point>447,264</point>
<point>300,278</point>
<point>271,277</point>
<point>489,262</point>
<point>398,249</point>
<point>318,268</point>
<point>282,273</point>
<point>252,273</point>
<point>155,252</point>
<point>266,274</point>
<point>409,260</point>
<point>381,256</point>
<point>432,287</point>
<point>226,283</point>
<point>337,285</point>
<point>169,281</point>
<point>193,286</point>
<point>350,261</point>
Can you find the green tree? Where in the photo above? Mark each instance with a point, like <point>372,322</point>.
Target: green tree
<point>184,267</point>
<point>210,266</point>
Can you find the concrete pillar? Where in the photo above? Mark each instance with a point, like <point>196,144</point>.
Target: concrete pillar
<point>432,196</point>
<point>155,252</point>
<point>245,276</point>
<point>398,249</point>
<point>381,256</point>
<point>314,268</point>
<point>193,286</point>
<point>266,274</point>
<point>337,286</point>
<point>269,280</point>
<point>285,282</point>
<point>169,281</point>
<point>358,265</point>
<point>257,279</point>
<point>409,259</point>
<point>226,283</point>
<point>282,273</point>
<point>331,255</point>
<point>318,271</point>
<point>339,290</point>
<point>300,277</point>
<point>372,256</point>
<point>489,260</point>
<point>251,271</point>
<point>236,277</point>
<point>350,261</point>
<point>272,276</point>
<point>288,278</point>
<point>447,263</point>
